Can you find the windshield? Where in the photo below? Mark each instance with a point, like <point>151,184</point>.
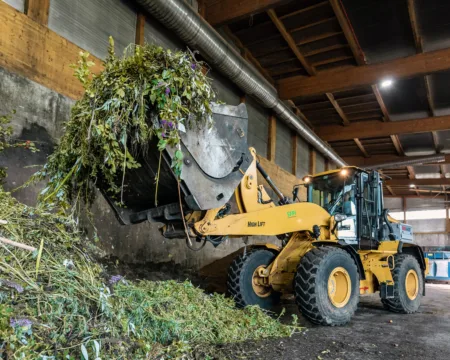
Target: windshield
<point>335,193</point>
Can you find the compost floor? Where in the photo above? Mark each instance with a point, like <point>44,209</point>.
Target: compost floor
<point>374,333</point>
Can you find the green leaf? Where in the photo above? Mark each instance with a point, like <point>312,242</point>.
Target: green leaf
<point>179,155</point>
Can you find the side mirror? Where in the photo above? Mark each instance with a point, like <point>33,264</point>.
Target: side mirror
<point>295,193</point>
<point>339,218</point>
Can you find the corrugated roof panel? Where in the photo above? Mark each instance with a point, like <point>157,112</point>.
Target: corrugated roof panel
<point>417,144</point>
<point>433,19</point>
<point>406,99</point>
<point>439,91</point>
<point>382,27</point>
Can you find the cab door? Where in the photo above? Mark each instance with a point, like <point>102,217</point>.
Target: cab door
<point>369,210</point>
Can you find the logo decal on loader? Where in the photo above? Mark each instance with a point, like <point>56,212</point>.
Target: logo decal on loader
<point>256,223</point>
<point>291,214</point>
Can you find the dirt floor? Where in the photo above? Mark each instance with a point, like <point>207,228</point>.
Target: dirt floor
<point>374,333</point>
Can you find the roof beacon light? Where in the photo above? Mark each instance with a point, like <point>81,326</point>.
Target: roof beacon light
<point>387,83</point>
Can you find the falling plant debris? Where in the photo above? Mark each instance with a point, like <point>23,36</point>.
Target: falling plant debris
<point>148,93</point>
<point>73,307</point>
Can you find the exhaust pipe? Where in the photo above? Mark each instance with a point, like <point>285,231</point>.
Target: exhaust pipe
<point>178,16</point>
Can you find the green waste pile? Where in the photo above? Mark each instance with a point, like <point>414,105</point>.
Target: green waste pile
<point>56,302</point>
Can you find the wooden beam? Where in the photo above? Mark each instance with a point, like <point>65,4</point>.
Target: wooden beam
<point>336,106</point>
<point>32,50</point>
<point>305,9</point>
<point>381,159</point>
<point>246,54</point>
<point>225,11</point>
<point>310,25</point>
<point>290,41</point>
<point>348,32</point>
<point>418,182</point>
<point>272,140</point>
<point>38,10</point>
<point>202,8</point>
<point>346,78</point>
<point>294,153</point>
<point>326,49</point>
<point>319,37</point>
<point>361,147</point>
<point>312,161</point>
<point>414,26</point>
<point>140,29</point>
<point>372,129</point>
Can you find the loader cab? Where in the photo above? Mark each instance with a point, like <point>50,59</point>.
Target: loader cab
<point>356,196</point>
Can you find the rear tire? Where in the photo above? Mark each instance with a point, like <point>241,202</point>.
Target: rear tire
<point>240,280</point>
<point>327,286</point>
<point>408,285</point>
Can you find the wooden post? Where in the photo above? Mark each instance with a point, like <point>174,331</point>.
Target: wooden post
<point>38,10</point>
<point>202,8</point>
<point>140,29</point>
<point>404,209</point>
<point>294,153</point>
<point>242,99</point>
<point>447,217</point>
<point>312,161</point>
<point>271,143</point>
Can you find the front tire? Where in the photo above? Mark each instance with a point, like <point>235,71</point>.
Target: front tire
<point>408,285</point>
<point>242,284</point>
<point>327,286</point>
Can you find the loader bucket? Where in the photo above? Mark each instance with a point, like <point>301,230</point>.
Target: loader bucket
<point>213,158</point>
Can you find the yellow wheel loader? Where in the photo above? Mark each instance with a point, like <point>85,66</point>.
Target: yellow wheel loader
<point>337,244</point>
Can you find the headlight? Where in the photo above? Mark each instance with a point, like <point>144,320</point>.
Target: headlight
<point>340,217</point>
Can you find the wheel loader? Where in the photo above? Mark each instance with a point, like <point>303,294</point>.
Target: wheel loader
<point>336,244</point>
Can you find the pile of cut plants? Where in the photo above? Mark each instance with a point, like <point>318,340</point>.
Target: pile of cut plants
<point>57,302</point>
<point>56,299</point>
<point>150,93</point>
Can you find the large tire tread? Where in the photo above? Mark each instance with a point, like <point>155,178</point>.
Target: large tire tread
<point>305,288</point>
<point>397,304</point>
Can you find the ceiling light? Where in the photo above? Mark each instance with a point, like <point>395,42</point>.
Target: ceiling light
<point>344,172</point>
<point>306,179</point>
<point>386,83</point>
<point>412,186</point>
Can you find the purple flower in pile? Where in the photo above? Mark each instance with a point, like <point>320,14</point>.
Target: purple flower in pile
<point>170,124</point>
<point>12,285</point>
<point>163,134</point>
<point>193,66</point>
<point>14,323</point>
<point>167,91</point>
<point>115,279</point>
<point>163,122</point>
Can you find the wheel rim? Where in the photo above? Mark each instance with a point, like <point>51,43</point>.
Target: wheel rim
<point>339,287</point>
<point>260,284</point>
<point>412,284</point>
